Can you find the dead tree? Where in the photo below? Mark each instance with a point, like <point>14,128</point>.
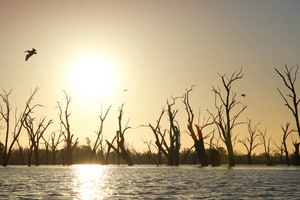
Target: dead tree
<point>53,144</point>
<point>171,150</point>
<point>99,139</point>
<point>68,136</point>
<point>197,135</point>
<point>296,155</point>
<point>36,135</point>
<point>19,120</point>
<point>290,82</point>
<point>214,151</point>
<point>279,151</point>
<point>248,142</point>
<point>120,149</point>
<point>267,146</point>
<point>225,119</point>
<point>159,139</point>
<point>109,147</point>
<point>286,133</point>
<point>149,155</point>
<point>174,135</point>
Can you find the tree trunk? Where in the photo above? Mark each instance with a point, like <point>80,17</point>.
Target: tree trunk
<point>68,159</point>
<point>249,159</point>
<point>296,155</point>
<point>200,149</point>
<point>230,153</point>
<point>36,156</point>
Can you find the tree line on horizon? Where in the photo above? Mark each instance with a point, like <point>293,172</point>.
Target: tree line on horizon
<point>167,142</point>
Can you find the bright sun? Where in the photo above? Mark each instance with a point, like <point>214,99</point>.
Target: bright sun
<point>92,78</point>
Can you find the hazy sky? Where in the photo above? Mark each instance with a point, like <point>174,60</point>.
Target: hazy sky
<point>156,49</point>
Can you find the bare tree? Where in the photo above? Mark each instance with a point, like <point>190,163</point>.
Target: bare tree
<point>159,139</point>
<point>120,139</point>
<point>174,135</point>
<point>99,139</point>
<point>225,119</point>
<point>64,120</point>
<point>169,150</point>
<point>150,155</point>
<point>286,133</point>
<point>54,142</point>
<point>296,156</point>
<point>214,150</point>
<point>248,142</point>
<point>35,135</point>
<point>197,135</point>
<point>267,146</point>
<point>279,151</point>
<point>290,82</point>
<point>19,120</point>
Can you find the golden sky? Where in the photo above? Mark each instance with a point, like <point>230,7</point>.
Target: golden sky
<point>156,49</point>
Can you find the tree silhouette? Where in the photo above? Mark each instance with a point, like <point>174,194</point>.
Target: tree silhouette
<point>120,139</point>
<point>174,135</point>
<point>248,142</point>
<point>225,119</point>
<point>199,137</point>
<point>171,150</point>
<point>296,156</point>
<point>54,142</point>
<point>159,140</point>
<point>267,146</point>
<point>19,121</point>
<point>35,135</point>
<point>286,133</point>
<point>99,139</point>
<point>290,82</point>
<point>68,136</point>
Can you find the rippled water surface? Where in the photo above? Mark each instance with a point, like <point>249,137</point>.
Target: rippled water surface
<point>149,182</point>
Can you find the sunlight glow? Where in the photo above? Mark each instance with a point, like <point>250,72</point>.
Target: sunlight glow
<point>90,181</point>
<point>92,78</point>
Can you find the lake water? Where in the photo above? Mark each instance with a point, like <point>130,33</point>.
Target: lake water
<point>149,182</point>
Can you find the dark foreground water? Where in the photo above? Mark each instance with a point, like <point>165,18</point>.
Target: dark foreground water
<point>149,182</point>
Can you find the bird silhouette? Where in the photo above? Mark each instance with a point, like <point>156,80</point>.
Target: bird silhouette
<point>30,53</point>
<point>243,95</point>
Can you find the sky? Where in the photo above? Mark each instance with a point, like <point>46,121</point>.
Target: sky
<point>94,50</point>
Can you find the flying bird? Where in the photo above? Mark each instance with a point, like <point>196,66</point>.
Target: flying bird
<point>30,53</point>
<point>243,95</point>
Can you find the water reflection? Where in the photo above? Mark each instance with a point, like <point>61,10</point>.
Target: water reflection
<point>89,181</point>
<point>149,182</point>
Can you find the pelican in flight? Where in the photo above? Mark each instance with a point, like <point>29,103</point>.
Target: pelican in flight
<point>30,53</point>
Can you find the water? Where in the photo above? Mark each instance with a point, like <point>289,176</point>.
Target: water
<point>149,182</point>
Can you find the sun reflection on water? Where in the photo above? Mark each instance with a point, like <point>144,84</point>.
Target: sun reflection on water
<point>89,181</point>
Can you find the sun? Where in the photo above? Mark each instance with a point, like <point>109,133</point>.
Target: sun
<point>92,78</point>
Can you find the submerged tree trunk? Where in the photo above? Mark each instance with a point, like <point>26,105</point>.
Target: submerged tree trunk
<point>36,156</point>
<point>249,159</point>
<point>296,154</point>
<point>230,153</point>
<point>200,150</point>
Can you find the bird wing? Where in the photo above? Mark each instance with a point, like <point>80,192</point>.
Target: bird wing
<point>28,56</point>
